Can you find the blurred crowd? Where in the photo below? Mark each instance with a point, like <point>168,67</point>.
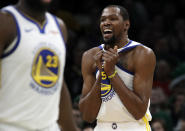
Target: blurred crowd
<point>158,24</point>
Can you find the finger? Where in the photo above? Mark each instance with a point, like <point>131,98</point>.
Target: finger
<point>99,54</point>
<point>106,59</point>
<point>116,48</point>
<point>113,50</point>
<point>108,54</point>
<point>98,58</point>
<point>111,53</point>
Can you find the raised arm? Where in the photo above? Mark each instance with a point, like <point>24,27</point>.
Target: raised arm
<point>90,100</point>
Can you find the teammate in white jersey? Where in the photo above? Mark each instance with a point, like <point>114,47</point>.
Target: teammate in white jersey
<point>33,95</point>
<point>118,95</point>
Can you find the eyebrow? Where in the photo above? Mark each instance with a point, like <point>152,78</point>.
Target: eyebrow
<point>109,15</point>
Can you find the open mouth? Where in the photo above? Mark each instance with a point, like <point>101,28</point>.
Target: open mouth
<point>107,33</point>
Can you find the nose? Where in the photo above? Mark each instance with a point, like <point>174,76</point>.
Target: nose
<point>107,22</point>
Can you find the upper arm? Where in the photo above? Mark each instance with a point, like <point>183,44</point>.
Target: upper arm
<point>87,73</point>
<point>63,29</point>
<point>144,62</point>
<point>7,30</point>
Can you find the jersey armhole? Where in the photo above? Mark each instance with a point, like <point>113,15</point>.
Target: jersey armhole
<point>13,46</point>
<point>57,23</point>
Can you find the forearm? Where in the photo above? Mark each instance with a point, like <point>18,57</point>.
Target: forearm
<point>131,100</point>
<point>90,104</point>
<point>66,120</point>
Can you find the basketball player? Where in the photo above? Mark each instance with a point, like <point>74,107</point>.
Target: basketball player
<point>32,49</point>
<point>118,96</point>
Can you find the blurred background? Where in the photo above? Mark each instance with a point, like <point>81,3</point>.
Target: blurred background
<point>158,24</point>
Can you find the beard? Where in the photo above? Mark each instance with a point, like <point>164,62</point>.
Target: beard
<point>37,5</point>
<point>110,41</point>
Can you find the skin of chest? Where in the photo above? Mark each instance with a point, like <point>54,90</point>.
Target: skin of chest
<point>126,60</point>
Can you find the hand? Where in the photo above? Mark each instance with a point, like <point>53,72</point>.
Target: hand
<point>98,59</point>
<point>110,57</point>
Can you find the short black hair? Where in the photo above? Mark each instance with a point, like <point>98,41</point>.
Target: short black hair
<point>123,11</point>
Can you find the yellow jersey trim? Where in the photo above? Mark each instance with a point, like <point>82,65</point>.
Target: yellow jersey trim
<point>146,123</point>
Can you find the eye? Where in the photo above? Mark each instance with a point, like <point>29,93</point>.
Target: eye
<point>102,19</point>
<point>113,18</point>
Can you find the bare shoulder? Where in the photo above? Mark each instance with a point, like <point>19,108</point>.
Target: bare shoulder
<point>144,55</point>
<point>61,23</point>
<point>88,55</point>
<point>88,59</point>
<point>63,28</point>
<point>4,15</point>
<point>144,51</point>
<point>7,22</point>
<point>92,51</point>
<point>8,29</point>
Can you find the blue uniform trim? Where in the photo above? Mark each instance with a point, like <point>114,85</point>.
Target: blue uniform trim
<point>55,18</point>
<point>18,37</point>
<point>42,30</point>
<point>128,43</point>
<point>122,47</point>
<point>119,66</point>
<point>128,48</point>
<point>125,49</point>
<point>100,47</point>
<point>125,70</point>
<point>96,71</point>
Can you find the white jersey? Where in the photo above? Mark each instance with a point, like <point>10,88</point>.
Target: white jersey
<point>32,71</point>
<point>112,109</point>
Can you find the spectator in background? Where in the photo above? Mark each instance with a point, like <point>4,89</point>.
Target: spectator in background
<point>159,107</point>
<point>162,49</point>
<point>74,68</point>
<point>77,117</point>
<point>158,100</point>
<point>179,32</point>
<point>177,106</point>
<point>181,124</point>
<point>158,125</point>
<point>138,16</point>
<point>162,76</point>
<point>177,85</point>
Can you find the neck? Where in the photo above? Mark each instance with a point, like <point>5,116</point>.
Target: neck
<point>120,43</point>
<point>38,16</point>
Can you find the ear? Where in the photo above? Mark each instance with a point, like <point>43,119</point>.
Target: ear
<point>126,25</point>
